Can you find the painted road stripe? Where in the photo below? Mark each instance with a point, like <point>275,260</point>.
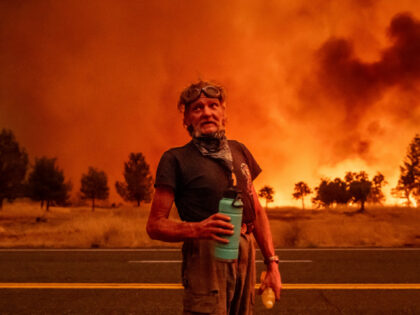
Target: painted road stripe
<point>179,249</point>
<point>155,261</point>
<point>180,261</point>
<point>178,286</point>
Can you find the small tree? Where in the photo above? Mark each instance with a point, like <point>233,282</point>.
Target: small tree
<point>301,190</point>
<point>267,193</point>
<point>409,181</point>
<point>94,185</point>
<point>46,183</point>
<point>13,166</point>
<point>359,187</point>
<point>138,180</point>
<point>324,194</point>
<point>376,195</point>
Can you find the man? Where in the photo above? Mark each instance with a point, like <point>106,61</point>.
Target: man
<point>195,177</point>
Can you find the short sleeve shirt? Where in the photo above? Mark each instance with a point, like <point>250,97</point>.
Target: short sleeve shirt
<point>199,182</point>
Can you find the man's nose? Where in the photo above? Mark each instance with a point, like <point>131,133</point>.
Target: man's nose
<point>206,111</point>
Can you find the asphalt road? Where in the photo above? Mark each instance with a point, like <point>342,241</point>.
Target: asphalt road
<point>123,267</point>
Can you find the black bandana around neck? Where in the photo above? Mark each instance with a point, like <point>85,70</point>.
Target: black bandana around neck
<point>216,147</point>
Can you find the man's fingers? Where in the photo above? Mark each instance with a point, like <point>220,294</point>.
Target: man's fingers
<point>222,231</point>
<point>220,216</point>
<point>222,226</point>
<point>217,226</point>
<point>278,295</point>
<point>262,288</point>
<point>219,239</point>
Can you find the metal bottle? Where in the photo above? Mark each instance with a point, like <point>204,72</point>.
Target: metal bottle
<point>231,205</point>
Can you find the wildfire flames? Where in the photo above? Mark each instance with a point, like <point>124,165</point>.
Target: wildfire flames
<point>314,89</point>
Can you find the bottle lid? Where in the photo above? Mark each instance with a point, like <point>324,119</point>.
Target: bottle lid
<point>230,193</point>
<point>235,194</point>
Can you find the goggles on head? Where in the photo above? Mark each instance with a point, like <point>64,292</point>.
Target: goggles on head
<point>192,94</point>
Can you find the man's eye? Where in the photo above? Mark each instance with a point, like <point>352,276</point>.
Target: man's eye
<point>214,105</point>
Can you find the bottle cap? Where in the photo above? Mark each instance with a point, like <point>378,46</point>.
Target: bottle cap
<point>230,193</point>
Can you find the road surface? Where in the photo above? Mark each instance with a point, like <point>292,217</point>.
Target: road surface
<point>147,281</point>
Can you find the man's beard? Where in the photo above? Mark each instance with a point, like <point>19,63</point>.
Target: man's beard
<point>217,134</point>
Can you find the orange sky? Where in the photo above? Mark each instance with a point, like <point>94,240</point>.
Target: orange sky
<point>314,88</point>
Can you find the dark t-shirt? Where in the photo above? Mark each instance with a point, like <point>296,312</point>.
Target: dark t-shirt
<point>198,182</point>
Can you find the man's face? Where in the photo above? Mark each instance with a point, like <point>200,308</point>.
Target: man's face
<point>205,115</point>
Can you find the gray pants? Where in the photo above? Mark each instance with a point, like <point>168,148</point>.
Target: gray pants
<point>215,287</point>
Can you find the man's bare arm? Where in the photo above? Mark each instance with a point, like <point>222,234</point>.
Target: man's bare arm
<point>262,234</point>
<point>160,227</point>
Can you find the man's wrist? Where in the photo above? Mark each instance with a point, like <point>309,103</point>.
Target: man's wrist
<point>193,232</point>
<point>272,259</point>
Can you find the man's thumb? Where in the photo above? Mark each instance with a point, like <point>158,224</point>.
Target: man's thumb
<point>262,288</point>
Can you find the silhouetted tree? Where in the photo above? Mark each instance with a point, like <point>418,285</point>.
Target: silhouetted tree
<point>409,181</point>
<point>301,190</point>
<point>330,192</point>
<point>324,195</point>
<point>13,166</point>
<point>341,192</point>
<point>355,187</point>
<point>359,187</point>
<point>267,193</point>
<point>94,185</point>
<point>138,180</point>
<point>376,195</point>
<point>46,183</point>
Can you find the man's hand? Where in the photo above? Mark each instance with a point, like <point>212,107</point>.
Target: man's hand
<point>213,227</point>
<point>160,227</point>
<point>272,280</point>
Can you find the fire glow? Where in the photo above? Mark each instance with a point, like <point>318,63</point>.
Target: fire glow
<point>314,89</point>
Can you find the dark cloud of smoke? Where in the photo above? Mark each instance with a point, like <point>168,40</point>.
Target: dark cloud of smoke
<point>353,87</point>
<point>359,84</point>
<point>401,62</point>
<point>350,78</point>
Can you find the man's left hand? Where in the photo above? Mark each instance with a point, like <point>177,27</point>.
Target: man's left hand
<point>272,279</point>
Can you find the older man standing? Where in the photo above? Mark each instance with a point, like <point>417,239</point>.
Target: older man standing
<point>195,177</point>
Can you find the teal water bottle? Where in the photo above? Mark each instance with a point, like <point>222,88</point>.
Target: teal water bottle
<point>231,205</point>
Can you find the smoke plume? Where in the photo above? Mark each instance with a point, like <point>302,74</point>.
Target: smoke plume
<point>313,88</point>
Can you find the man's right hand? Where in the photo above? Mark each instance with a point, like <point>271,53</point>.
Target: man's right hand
<point>160,227</point>
<point>213,227</point>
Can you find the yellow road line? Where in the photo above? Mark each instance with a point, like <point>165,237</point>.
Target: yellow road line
<point>178,286</point>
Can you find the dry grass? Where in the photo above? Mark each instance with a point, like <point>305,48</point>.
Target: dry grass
<point>124,227</point>
<point>343,227</point>
<point>74,227</point>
